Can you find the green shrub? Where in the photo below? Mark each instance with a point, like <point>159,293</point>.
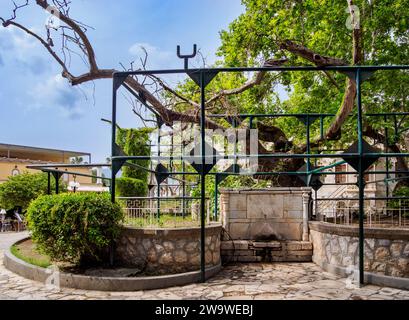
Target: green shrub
<point>74,227</point>
<point>135,142</point>
<point>129,187</point>
<point>402,204</point>
<point>20,190</point>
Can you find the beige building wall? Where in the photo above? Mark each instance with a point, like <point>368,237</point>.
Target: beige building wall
<point>7,168</point>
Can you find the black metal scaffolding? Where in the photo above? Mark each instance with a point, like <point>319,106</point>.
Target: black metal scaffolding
<point>360,155</point>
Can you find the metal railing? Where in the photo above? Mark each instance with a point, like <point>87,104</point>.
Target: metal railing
<point>169,212</point>
<point>393,214</point>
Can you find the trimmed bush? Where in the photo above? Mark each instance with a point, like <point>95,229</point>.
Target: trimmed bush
<point>20,190</point>
<point>129,187</point>
<point>74,227</point>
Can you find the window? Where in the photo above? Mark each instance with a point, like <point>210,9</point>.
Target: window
<point>341,178</point>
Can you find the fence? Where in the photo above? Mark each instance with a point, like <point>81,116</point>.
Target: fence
<point>169,212</point>
<point>388,214</point>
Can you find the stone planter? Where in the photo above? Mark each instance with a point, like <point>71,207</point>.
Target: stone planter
<point>167,251</point>
<point>386,252</point>
<point>49,276</point>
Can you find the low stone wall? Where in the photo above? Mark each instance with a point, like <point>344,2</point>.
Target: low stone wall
<point>85,282</point>
<point>266,251</point>
<point>266,214</point>
<point>165,251</point>
<point>336,249</point>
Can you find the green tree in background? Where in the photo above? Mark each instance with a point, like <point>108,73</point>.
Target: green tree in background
<point>20,190</point>
<point>134,181</point>
<point>322,33</point>
<point>274,33</point>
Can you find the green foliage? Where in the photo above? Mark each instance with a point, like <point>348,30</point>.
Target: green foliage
<point>402,204</point>
<point>164,221</point>
<point>255,36</point>
<point>130,187</point>
<point>73,227</point>
<point>135,142</point>
<point>20,190</point>
<point>401,192</point>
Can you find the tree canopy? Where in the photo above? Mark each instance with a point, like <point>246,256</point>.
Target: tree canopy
<point>21,189</point>
<point>276,33</point>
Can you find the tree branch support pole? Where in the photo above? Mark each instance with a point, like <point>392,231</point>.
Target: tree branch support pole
<point>305,215</point>
<point>113,153</point>
<point>216,196</point>
<point>157,182</point>
<point>48,183</point>
<point>361,182</point>
<point>202,180</point>
<point>183,182</point>
<point>386,149</point>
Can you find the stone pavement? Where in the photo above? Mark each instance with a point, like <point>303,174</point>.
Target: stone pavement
<point>295,281</point>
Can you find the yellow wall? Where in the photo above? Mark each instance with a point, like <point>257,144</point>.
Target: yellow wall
<point>6,169</point>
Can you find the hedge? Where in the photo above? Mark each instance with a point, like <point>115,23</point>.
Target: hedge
<point>129,187</point>
<point>135,142</point>
<point>74,227</point>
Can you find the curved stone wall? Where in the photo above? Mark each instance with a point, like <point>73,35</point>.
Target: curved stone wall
<point>165,251</point>
<point>85,282</point>
<point>335,248</point>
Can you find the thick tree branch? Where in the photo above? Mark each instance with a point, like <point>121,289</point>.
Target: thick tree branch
<point>306,53</point>
<point>174,92</point>
<point>357,52</point>
<point>77,29</point>
<point>257,80</point>
<point>343,113</point>
<point>275,135</point>
<point>350,89</point>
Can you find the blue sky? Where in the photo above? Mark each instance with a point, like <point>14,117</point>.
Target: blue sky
<point>39,108</point>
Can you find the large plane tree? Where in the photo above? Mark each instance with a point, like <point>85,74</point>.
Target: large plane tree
<point>271,33</point>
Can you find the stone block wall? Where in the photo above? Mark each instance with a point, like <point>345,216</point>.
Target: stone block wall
<point>336,247</point>
<point>167,251</point>
<point>266,251</point>
<point>266,214</point>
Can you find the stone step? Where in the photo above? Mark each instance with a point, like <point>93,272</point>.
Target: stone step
<point>269,244</point>
<point>267,251</point>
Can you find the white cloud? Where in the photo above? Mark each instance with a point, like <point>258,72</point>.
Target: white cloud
<point>156,57</point>
<point>19,48</point>
<point>55,92</point>
<point>13,39</point>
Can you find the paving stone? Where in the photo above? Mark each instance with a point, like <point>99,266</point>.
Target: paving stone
<point>330,294</point>
<point>389,291</point>
<point>214,295</point>
<point>168,296</point>
<point>265,281</point>
<point>380,297</point>
<point>70,297</point>
<point>237,298</point>
<point>271,296</point>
